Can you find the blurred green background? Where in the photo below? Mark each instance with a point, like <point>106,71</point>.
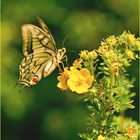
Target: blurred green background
<point>43,112</point>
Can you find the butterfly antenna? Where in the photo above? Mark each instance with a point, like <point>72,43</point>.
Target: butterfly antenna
<point>15,85</point>
<point>64,41</point>
<point>21,88</point>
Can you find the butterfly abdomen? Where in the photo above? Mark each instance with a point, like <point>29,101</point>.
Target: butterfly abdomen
<point>51,65</point>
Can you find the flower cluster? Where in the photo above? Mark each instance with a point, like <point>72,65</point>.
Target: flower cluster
<point>101,74</point>
<point>129,128</point>
<point>115,52</point>
<point>78,81</point>
<point>85,54</point>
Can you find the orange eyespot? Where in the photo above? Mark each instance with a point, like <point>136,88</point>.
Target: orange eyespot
<point>35,79</point>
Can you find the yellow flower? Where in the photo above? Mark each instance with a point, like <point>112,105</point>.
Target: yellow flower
<point>129,54</point>
<point>79,80</point>
<point>131,132</point>
<point>100,137</point>
<point>92,54</point>
<point>77,63</point>
<point>103,122</point>
<point>63,78</point>
<point>137,43</point>
<point>76,80</point>
<point>102,50</point>
<point>131,38</point>
<point>115,68</point>
<point>83,54</point>
<point>108,54</point>
<point>111,40</point>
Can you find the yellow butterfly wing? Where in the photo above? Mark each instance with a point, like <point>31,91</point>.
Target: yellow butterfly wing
<point>41,54</point>
<point>39,49</point>
<point>46,29</point>
<point>33,66</point>
<point>37,40</point>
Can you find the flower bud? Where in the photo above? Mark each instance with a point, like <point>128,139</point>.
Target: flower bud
<point>129,54</point>
<point>111,40</point>
<point>131,38</point>
<point>83,54</point>
<point>100,137</point>
<point>92,54</point>
<point>115,68</point>
<point>102,50</point>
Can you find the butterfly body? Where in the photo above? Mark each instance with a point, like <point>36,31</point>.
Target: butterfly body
<point>41,54</point>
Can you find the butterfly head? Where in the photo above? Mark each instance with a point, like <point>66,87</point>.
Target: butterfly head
<point>61,53</point>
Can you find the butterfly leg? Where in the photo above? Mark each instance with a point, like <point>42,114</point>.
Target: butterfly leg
<point>65,58</point>
<point>61,69</point>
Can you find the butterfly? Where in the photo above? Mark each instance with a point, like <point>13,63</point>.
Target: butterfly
<point>41,55</point>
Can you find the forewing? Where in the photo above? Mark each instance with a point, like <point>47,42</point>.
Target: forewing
<point>36,40</point>
<point>46,29</point>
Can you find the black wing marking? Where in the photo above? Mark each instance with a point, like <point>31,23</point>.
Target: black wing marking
<point>45,29</point>
<point>36,40</point>
<point>33,64</point>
